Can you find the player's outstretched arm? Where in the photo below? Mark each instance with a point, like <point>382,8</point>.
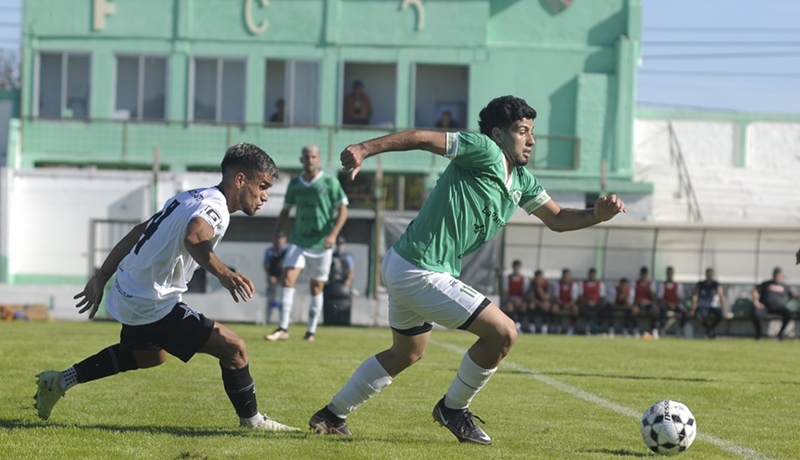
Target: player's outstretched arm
<point>92,294</point>
<point>432,141</point>
<point>561,219</point>
<point>198,243</point>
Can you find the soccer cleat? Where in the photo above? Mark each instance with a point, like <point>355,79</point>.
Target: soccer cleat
<point>309,337</point>
<point>48,393</point>
<point>326,422</point>
<point>461,423</point>
<point>267,424</point>
<point>279,334</point>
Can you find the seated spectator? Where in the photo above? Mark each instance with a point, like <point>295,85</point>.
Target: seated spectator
<point>592,301</point>
<point>357,106</point>
<point>567,299</point>
<point>513,290</point>
<point>539,302</point>
<point>771,297</point>
<point>670,298</point>
<point>708,302</point>
<point>277,117</point>
<point>447,121</point>
<point>645,299</point>
<point>622,296</point>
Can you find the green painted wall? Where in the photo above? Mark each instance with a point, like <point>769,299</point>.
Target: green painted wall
<point>576,67</point>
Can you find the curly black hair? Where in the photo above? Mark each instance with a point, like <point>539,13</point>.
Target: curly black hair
<point>250,158</point>
<point>502,111</point>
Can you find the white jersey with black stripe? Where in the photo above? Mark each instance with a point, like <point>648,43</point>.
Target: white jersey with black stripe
<point>151,278</point>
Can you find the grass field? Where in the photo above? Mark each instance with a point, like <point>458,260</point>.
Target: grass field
<point>556,397</point>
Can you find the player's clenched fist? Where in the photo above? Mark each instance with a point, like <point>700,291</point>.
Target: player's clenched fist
<point>352,157</point>
<point>608,206</point>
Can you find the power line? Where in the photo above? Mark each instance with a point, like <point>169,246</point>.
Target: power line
<point>703,29</point>
<point>703,73</point>
<point>718,43</point>
<point>720,55</point>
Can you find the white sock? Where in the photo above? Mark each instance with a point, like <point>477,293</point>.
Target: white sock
<point>69,378</point>
<point>314,310</point>
<point>252,421</point>
<point>287,301</point>
<point>468,382</point>
<point>367,381</point>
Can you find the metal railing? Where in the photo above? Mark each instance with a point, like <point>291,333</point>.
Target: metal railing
<point>684,179</point>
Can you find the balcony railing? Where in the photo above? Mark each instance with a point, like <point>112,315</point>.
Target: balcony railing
<point>200,145</point>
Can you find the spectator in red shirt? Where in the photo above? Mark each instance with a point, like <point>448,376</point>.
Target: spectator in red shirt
<point>513,289</point>
<point>623,295</point>
<point>645,299</point>
<point>671,299</point>
<point>539,302</point>
<point>567,298</point>
<point>592,300</point>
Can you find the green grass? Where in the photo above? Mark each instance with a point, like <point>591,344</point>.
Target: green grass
<point>740,391</point>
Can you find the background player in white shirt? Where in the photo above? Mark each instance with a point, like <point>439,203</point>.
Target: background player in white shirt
<point>153,264</point>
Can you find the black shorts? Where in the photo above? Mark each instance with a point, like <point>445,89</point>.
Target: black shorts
<point>182,333</point>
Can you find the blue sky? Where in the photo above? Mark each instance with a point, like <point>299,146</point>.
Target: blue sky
<point>750,82</point>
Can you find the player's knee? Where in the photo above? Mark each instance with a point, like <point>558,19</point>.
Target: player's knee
<point>150,358</point>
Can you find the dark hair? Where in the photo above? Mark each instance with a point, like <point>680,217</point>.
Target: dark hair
<point>565,271</point>
<point>623,280</point>
<point>592,270</point>
<point>516,262</point>
<point>644,270</point>
<point>250,158</point>
<point>538,272</point>
<point>502,111</point>
<point>670,268</point>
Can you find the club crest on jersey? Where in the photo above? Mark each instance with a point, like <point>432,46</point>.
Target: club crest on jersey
<point>321,191</point>
<point>213,215</point>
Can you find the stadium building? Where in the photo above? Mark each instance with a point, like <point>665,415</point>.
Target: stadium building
<point>125,102</point>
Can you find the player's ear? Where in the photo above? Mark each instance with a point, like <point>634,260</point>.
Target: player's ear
<point>240,179</point>
<point>496,134</point>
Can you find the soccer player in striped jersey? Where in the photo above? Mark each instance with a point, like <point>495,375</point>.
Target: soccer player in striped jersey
<point>473,199</point>
<point>152,265</point>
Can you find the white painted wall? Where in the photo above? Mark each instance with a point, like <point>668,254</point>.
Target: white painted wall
<point>764,190</point>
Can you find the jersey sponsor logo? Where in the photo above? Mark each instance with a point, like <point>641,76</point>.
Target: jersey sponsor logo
<point>490,212</point>
<point>213,215</point>
<point>120,290</point>
<point>321,191</point>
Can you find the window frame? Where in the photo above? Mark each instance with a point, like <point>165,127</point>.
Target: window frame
<point>140,85</point>
<point>65,54</point>
<point>220,60</point>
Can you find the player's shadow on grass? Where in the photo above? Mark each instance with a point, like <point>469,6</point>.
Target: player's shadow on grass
<point>618,452</point>
<point>171,430</point>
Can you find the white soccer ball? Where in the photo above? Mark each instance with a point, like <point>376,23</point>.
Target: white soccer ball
<point>668,427</point>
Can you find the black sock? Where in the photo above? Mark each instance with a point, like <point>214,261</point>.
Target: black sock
<point>241,390</point>
<point>108,362</point>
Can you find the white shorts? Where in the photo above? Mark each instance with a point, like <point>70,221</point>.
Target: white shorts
<point>319,261</point>
<point>419,297</point>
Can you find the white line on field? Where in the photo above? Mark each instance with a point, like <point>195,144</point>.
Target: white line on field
<point>724,444</point>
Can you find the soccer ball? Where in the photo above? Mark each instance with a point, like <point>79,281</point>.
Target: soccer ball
<point>668,427</point>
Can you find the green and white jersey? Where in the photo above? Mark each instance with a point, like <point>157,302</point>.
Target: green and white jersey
<point>471,202</point>
<point>317,202</point>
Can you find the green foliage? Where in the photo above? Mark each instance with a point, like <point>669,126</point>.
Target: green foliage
<point>740,391</point>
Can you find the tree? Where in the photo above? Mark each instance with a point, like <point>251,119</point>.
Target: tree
<point>9,69</point>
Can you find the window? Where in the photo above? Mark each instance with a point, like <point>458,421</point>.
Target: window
<point>141,87</point>
<point>441,94</point>
<point>62,88</point>
<point>292,92</point>
<point>217,89</point>
<point>368,94</point>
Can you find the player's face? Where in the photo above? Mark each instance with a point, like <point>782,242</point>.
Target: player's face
<point>567,276</point>
<point>253,193</point>
<point>517,141</point>
<point>310,159</point>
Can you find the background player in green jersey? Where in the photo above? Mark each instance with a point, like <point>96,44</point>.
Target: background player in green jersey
<point>471,202</point>
<point>317,196</point>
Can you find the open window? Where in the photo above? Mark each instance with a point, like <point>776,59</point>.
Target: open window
<point>291,92</point>
<point>368,94</point>
<point>62,86</point>
<point>440,96</point>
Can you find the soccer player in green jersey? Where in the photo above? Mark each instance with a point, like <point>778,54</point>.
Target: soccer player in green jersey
<point>317,196</point>
<point>476,195</point>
